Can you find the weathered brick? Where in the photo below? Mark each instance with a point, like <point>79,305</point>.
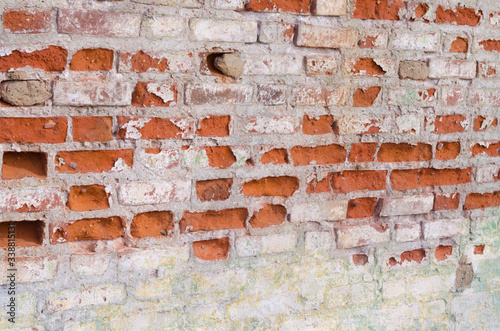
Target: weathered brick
<point>408,231</point>
<point>390,152</point>
<point>459,45</point>
<point>442,252</point>
<point>284,186</point>
<point>227,4</point>
<point>294,6</point>
<point>441,68</point>
<point>373,67</point>
<point>89,295</point>
<point>411,97</point>
<point>221,157</point>
<point>312,125</point>
<point>446,201</point>
<point>258,245</point>
<point>484,97</point>
<point>272,125</point>
<point>218,94</point>
<point>213,220</point>
<point>180,62</point>
<point>489,45</point>
<point>93,161</point>
<point>417,70</point>
<point>92,129</point>
<point>362,152</point>
<point>482,200</point>
<point>223,30</point>
<point>88,197</point>
<point>214,190</point>
<point>92,59</point>
<point>92,93</point>
<point>458,15</point>
<point>487,174</point>
<point>155,128</point>
<point>362,124</point>
<point>214,126</point>
<point>27,233</point>
<point>330,7</point>
<point>87,229</point>
<point>317,65</point>
<point>407,205</point>
<point>51,58</point>
<point>276,156</point>
<point>282,64</point>
<point>452,96</point>
<point>98,23</point>
<point>447,150</point>
<point>326,154</point>
<point>271,95</point>
<point>358,180</point>
<point>416,41</point>
<point>25,92</point>
<point>276,32</point>
<point>326,37</point>
<point>50,130</point>
<point>361,235</point>
<point>268,215</point>
<point>154,94</point>
<point>318,240</point>
<point>159,27</point>
<point>408,124</point>
<point>31,269</point>
<point>319,96</point>
<point>445,228</point>
<point>416,255</point>
<point>27,21</point>
<point>488,69</point>
<point>378,10</point>
<point>415,178</point>
<point>318,212</point>
<point>361,207</point>
<point>210,250</point>
<point>31,200</point>
<point>179,3</point>
<point>366,96</point>
<point>153,192</point>
<point>487,148</point>
<point>152,224</point>
<point>373,39</point>
<point>319,183</point>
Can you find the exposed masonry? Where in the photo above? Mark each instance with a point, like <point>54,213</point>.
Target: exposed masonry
<point>252,164</point>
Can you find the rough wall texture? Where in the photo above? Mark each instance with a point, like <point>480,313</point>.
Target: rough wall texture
<point>259,164</point>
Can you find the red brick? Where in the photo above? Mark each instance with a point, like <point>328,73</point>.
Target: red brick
<point>276,156</point>
<point>361,207</point>
<point>92,129</point>
<point>151,94</point>
<point>390,152</point>
<point>373,39</point>
<point>284,186</point>
<point>92,59</point>
<point>214,126</point>
<point>214,190</point>
<point>491,45</point>
<point>152,224</point>
<point>478,249</point>
<point>92,161</point>
<point>221,157</point>
<point>459,45</point>
<point>447,150</point>
<point>213,220</point>
<point>155,62</point>
<point>415,178</point>
<point>98,23</point>
<point>446,123</point>
<point>355,180</point>
<point>326,154</point>
<point>416,255</point>
<point>317,125</point>
<point>420,10</point>
<point>155,128</point>
<point>489,149</point>
<point>294,6</point>
<point>52,58</point>
<point>28,233</point>
<point>319,185</point>
<point>87,229</point>
<point>27,21</point>
<point>363,67</point>
<point>378,10</point>
<point>212,250</point>
<point>458,15</point>
<point>362,152</point>
<point>88,197</point>
<point>18,165</point>
<point>365,97</point>
<point>268,215</point>
<point>446,201</point>
<point>50,130</point>
<point>482,200</point>
<point>483,123</point>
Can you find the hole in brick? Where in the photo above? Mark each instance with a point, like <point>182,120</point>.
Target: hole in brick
<point>211,64</point>
<point>478,249</point>
<point>24,164</point>
<point>360,259</point>
<point>27,233</point>
<point>443,251</point>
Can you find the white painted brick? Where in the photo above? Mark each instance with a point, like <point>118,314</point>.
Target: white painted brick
<point>321,65</point>
<point>446,228</point>
<point>315,212</point>
<point>488,174</point>
<point>90,264</point>
<point>416,41</point>
<point>432,284</point>
<point>452,96</point>
<point>485,97</point>
<point>386,64</point>
<point>181,3</point>
<point>159,27</point>
<point>408,96</point>
<point>330,7</point>
<point>257,245</point>
<point>135,260</point>
<point>227,4</point>
<point>31,199</point>
<point>350,295</point>
<point>407,124</point>
<point>363,123</point>
<point>177,61</point>
<point>30,269</point>
<point>88,295</point>
<point>143,193</point>
<point>318,240</point>
<point>326,37</point>
<point>408,231</point>
<point>165,159</point>
<point>407,205</point>
<point>269,125</point>
<point>393,289</point>
<point>92,93</point>
<point>361,235</point>
<point>441,68</point>
<point>271,32</point>
<point>221,30</point>
<point>260,64</point>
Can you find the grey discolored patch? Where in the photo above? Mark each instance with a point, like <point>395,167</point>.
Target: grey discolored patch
<point>464,275</point>
<point>417,70</point>
<point>25,92</point>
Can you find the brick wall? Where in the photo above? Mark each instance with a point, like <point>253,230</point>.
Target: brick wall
<point>251,164</point>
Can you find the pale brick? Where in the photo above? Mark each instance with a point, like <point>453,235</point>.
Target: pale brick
<point>143,193</point>
<point>90,264</point>
<point>374,39</point>
<point>326,37</point>
<point>393,289</point>
<point>363,124</point>
<point>181,3</point>
<point>316,212</point>
<point>258,245</point>
<point>350,295</point>
<point>431,284</point>
<point>407,205</point>
<point>259,64</point>
<point>92,93</point>
<point>321,65</point>
<point>94,22</point>
<point>485,97</point>
<point>320,96</point>
<point>488,70</point>
<point>137,260</point>
<point>165,159</point>
<point>407,96</point>
<point>86,296</point>
<point>416,41</point>
<point>159,27</point>
<point>330,7</point>
<point>361,235</point>
<point>407,124</point>
<point>222,30</point>
<point>408,231</point>
<point>218,94</point>
<point>452,96</point>
<point>270,125</point>
<point>167,62</point>
<point>227,4</point>
<point>36,199</point>
<point>446,228</point>
<point>441,68</point>
<point>30,269</point>
<point>271,32</point>
<point>321,240</point>
<point>495,20</point>
<point>488,174</point>
<point>272,95</point>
